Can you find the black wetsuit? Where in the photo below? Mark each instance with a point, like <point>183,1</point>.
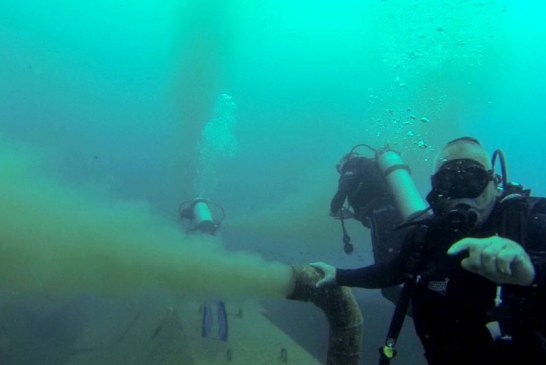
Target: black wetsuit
<point>452,306</point>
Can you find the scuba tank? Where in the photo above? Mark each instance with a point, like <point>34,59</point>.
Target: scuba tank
<point>409,202</point>
<point>198,212</point>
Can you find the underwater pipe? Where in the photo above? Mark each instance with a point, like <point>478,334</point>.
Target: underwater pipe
<point>341,309</point>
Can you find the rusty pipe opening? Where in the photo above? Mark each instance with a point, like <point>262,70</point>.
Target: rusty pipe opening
<point>342,312</point>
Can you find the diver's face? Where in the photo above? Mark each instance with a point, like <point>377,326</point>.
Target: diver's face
<point>463,179</point>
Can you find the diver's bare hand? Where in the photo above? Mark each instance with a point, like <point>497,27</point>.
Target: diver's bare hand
<point>328,271</point>
<point>498,259</point>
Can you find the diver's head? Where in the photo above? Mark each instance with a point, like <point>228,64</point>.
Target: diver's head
<point>463,148</point>
<point>463,184</point>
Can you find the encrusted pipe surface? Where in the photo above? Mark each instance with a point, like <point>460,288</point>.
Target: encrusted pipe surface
<point>341,310</point>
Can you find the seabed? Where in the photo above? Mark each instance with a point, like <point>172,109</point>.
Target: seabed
<point>172,335</point>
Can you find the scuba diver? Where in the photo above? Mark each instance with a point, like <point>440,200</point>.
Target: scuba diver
<point>474,269</point>
<point>370,201</point>
<point>198,213</point>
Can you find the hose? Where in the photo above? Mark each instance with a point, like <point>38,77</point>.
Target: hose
<point>341,310</point>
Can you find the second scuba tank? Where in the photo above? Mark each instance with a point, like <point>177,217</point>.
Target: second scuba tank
<point>406,196</point>
<point>199,213</point>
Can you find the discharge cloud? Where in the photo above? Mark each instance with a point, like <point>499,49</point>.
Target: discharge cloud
<point>63,240</point>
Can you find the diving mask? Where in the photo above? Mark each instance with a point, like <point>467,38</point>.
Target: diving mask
<point>460,178</point>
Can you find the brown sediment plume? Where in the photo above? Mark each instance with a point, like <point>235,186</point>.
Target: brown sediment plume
<point>58,239</point>
<point>341,310</point>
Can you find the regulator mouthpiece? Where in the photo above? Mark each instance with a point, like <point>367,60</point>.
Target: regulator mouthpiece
<point>462,218</point>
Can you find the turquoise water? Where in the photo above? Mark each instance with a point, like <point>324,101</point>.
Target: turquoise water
<point>123,110</point>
